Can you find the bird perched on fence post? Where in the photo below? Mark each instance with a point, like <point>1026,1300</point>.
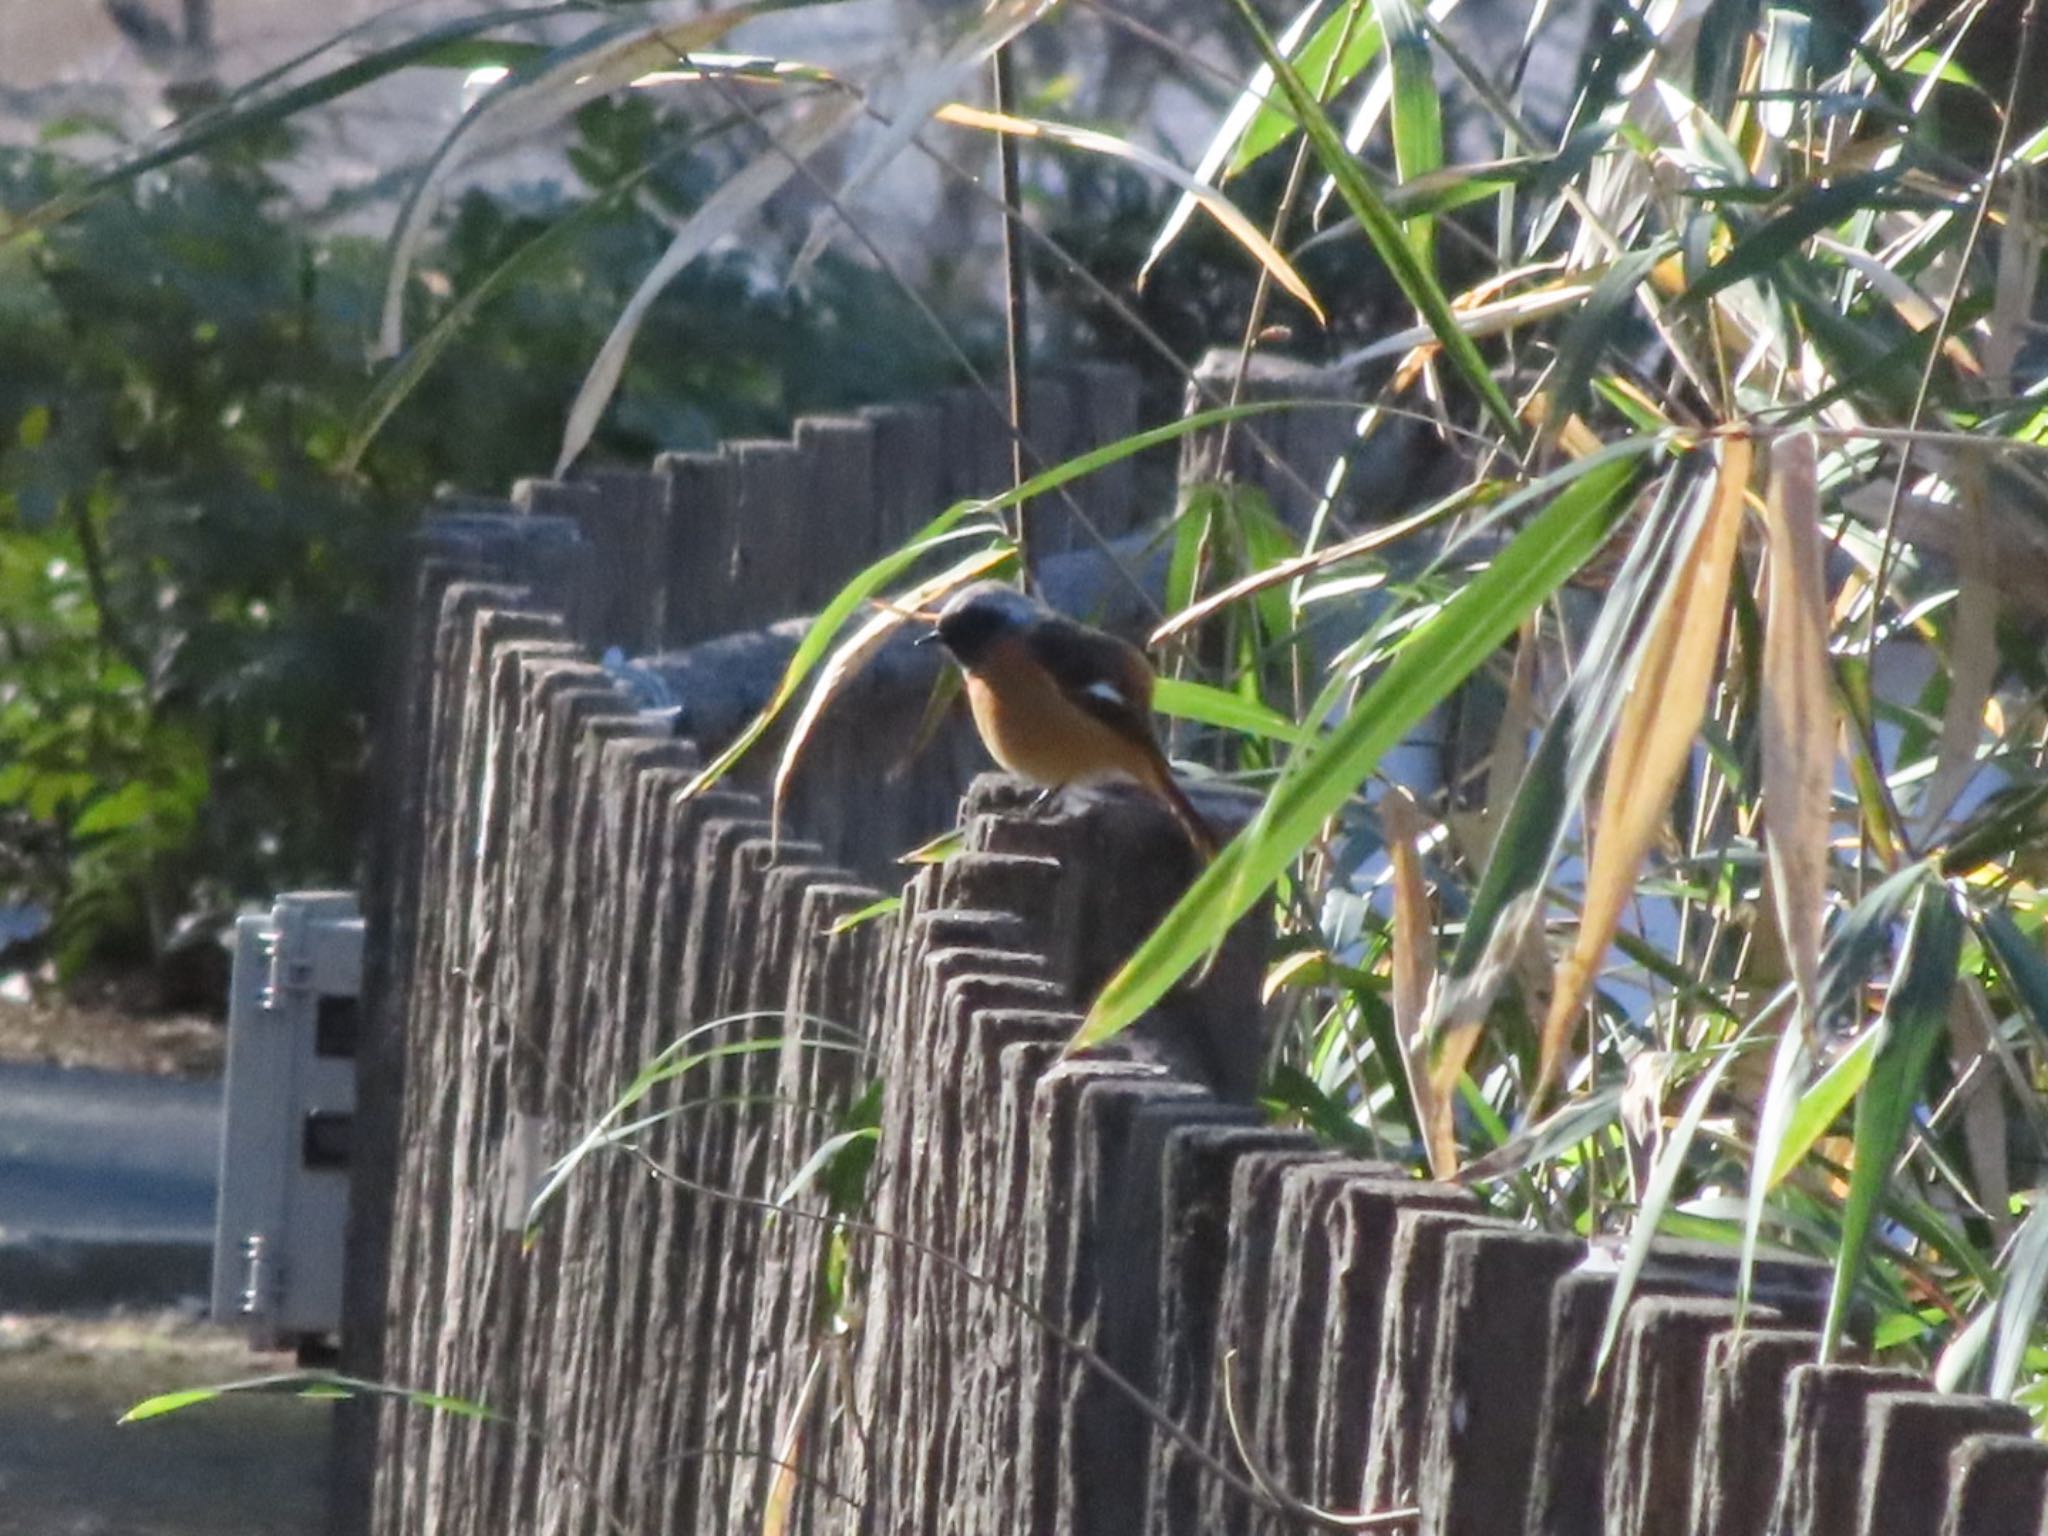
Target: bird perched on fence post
<point>1057,702</point>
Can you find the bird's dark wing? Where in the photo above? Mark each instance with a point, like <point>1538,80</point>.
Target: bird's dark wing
<point>1106,677</point>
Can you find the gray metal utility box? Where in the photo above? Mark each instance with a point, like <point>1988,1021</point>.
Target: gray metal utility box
<point>289,1112</point>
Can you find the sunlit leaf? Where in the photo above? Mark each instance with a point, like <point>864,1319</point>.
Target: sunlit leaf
<point>1432,661</point>
<point>1914,1023</point>
<point>1796,725</point>
<point>1660,723</point>
<point>1211,201</point>
<point>1385,232</point>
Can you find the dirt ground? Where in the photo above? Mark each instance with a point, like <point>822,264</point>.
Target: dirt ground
<point>238,1466</point>
<point>103,1027</point>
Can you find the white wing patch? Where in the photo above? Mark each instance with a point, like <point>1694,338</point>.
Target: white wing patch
<point>1108,692</point>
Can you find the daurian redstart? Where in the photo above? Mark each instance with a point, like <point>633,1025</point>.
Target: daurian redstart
<point>1057,702</point>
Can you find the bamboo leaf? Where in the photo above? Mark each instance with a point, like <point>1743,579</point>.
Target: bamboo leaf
<point>1819,1106</point>
<point>1972,651</point>
<point>1660,722</point>
<point>305,1384</point>
<point>994,25</point>
<point>2021,963</point>
<point>1273,123</point>
<point>1763,250</point>
<point>1212,202</point>
<point>1414,959</point>
<point>404,375</point>
<point>736,200</point>
<point>1797,717</point>
<point>887,906</point>
<point>2019,1304</point>
<point>593,65</point>
<point>1385,233</point>
<point>1210,169</point>
<point>1186,700</point>
<point>1657,1194</point>
<point>1914,1024</point>
<point>1435,658</point>
<point>1418,127</point>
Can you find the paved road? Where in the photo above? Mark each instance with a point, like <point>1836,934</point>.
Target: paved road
<point>87,1154</point>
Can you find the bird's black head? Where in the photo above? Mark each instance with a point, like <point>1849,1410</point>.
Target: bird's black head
<point>976,617</point>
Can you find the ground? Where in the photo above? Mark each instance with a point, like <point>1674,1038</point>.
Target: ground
<point>239,1466</point>
<point>104,1028</point>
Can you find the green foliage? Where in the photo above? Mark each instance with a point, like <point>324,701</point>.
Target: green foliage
<point>193,592</point>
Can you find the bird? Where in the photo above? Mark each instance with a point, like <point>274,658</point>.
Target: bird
<point>1058,702</point>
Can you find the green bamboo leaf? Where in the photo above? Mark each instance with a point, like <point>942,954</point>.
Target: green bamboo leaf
<point>1914,1025</point>
<point>1819,1106</point>
<point>1527,840</point>
<point>1435,658</point>
<point>864,915</point>
<point>1385,232</point>
<point>2020,961</point>
<point>2019,1304</point>
<point>1760,252</point>
<point>1291,1091</point>
<point>1210,170</point>
<point>1187,700</point>
<point>169,1402</point>
<point>1597,325</point>
<point>328,1384</point>
<point>1274,122</point>
<point>1418,126</point>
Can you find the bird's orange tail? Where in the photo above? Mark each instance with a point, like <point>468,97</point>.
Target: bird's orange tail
<point>1192,822</point>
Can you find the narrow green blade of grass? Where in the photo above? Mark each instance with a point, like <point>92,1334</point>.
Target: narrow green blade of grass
<point>1434,660</point>
<point>1385,232</point>
<point>1914,1025</point>
<point>865,915</point>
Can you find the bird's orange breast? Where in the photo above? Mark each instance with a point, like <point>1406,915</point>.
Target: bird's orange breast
<point>1037,732</point>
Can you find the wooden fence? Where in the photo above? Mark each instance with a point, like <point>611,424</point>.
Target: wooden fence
<point>1047,1244</point>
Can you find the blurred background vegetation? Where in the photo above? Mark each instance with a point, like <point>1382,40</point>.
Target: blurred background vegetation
<point>193,582</point>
